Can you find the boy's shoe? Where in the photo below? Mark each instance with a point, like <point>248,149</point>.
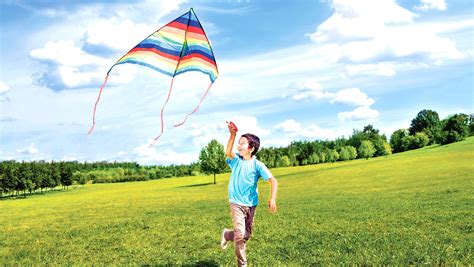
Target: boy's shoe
<point>223,241</point>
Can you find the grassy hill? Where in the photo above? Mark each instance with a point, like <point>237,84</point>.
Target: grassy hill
<point>412,207</point>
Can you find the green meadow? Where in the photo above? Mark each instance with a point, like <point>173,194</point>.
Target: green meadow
<point>414,207</point>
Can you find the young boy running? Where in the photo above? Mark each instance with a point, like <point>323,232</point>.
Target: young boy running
<point>243,194</point>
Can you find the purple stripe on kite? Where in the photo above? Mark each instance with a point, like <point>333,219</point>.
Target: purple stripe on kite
<point>200,48</point>
<point>200,52</point>
<point>184,20</point>
<point>160,48</point>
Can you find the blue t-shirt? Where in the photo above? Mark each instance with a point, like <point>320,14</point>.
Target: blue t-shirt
<point>243,180</point>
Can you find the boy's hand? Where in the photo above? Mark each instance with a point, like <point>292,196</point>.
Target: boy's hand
<point>232,128</point>
<point>272,205</point>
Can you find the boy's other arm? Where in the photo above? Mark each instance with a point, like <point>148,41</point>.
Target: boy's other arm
<point>273,195</point>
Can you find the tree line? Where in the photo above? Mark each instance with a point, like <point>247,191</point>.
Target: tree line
<point>40,176</point>
<point>425,129</point>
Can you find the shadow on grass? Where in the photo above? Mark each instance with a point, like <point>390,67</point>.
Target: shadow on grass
<point>194,185</point>
<point>203,263</point>
<point>39,193</point>
<point>209,263</point>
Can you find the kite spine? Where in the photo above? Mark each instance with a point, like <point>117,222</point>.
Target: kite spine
<point>171,85</point>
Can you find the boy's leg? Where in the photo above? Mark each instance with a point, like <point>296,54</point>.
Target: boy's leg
<point>249,222</point>
<point>228,234</point>
<point>238,219</point>
<point>242,218</point>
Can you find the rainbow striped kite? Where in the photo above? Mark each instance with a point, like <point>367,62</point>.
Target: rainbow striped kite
<point>176,48</point>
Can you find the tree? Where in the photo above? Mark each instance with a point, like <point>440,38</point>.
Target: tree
<point>421,140</point>
<point>408,142</point>
<point>285,161</point>
<point>356,138</point>
<point>396,140</point>
<point>344,154</point>
<point>366,149</point>
<point>333,156</point>
<point>471,125</point>
<point>55,177</point>
<point>212,158</point>
<point>426,121</point>
<point>65,175</point>
<point>314,159</point>
<point>370,132</point>
<point>322,157</point>
<point>456,128</point>
<point>388,149</point>
<point>352,151</point>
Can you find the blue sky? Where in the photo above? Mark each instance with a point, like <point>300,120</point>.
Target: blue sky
<point>288,70</point>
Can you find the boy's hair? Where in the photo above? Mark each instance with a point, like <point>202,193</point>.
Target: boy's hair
<point>254,142</point>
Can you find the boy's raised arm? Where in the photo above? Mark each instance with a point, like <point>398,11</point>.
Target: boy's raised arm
<point>230,144</point>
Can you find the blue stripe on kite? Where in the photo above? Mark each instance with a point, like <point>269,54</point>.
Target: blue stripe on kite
<point>175,45</point>
<point>203,53</point>
<point>143,64</point>
<point>160,48</point>
<point>194,18</point>
<point>197,45</point>
<point>184,20</point>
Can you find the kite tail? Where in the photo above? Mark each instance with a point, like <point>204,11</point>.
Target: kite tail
<point>202,99</point>
<point>161,115</point>
<point>97,102</point>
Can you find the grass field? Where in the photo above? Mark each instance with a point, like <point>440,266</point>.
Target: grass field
<point>408,208</point>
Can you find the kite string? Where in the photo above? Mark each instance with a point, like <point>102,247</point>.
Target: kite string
<point>96,102</point>
<point>197,107</point>
<point>161,114</point>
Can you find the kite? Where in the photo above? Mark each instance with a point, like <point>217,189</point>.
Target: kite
<point>178,47</point>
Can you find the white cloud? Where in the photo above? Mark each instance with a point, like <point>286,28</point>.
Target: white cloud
<point>309,89</point>
<point>352,96</point>
<point>379,69</point>
<point>152,155</point>
<point>72,62</point>
<point>312,85</point>
<point>314,131</point>
<point>432,4</point>
<point>294,129</point>
<point>65,53</point>
<point>110,33</point>
<point>122,153</point>
<point>249,124</point>
<point>353,20</point>
<point>217,129</point>
<point>4,87</point>
<point>288,126</point>
<point>360,113</point>
<point>28,150</point>
<point>348,96</point>
<point>313,94</point>
<point>77,68</point>
<point>361,31</point>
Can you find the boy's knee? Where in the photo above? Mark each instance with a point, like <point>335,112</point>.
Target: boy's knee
<point>247,236</point>
<point>238,236</point>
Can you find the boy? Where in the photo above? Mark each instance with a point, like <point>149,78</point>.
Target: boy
<point>243,194</point>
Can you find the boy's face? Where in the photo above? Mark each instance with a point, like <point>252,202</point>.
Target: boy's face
<point>243,147</point>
